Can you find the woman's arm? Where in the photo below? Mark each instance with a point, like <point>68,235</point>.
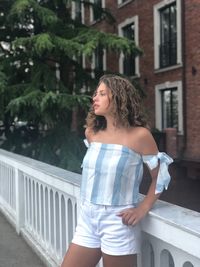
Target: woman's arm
<point>132,216</point>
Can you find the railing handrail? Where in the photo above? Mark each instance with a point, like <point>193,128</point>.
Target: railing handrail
<point>186,225</point>
<point>52,170</point>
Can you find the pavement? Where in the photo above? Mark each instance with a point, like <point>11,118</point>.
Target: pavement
<point>14,251</point>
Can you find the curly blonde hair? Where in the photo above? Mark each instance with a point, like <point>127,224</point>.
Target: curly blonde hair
<point>126,101</point>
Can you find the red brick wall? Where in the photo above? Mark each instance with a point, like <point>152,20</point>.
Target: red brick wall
<point>192,59</point>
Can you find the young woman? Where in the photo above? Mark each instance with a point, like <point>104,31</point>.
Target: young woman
<point>119,142</point>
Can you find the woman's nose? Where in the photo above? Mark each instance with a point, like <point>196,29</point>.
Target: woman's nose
<point>95,98</point>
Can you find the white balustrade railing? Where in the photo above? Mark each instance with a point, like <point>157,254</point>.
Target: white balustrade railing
<point>42,202</point>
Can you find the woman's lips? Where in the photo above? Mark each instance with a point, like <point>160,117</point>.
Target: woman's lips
<point>95,106</point>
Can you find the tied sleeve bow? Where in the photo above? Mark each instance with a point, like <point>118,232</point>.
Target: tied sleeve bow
<point>163,177</point>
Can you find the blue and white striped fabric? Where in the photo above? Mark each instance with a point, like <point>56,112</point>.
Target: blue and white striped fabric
<point>163,178</point>
<point>112,174</point>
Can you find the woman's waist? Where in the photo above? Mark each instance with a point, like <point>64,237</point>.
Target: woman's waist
<point>89,204</point>
<point>109,200</point>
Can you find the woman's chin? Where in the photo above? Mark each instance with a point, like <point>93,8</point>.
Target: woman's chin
<point>98,113</point>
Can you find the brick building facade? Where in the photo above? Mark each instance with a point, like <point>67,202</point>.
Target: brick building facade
<point>168,32</point>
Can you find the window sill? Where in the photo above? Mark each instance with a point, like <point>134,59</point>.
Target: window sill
<point>168,68</point>
<point>124,4</point>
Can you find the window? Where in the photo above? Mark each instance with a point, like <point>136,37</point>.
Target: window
<point>167,34</point>
<point>169,106</point>
<point>79,79</point>
<point>99,62</point>
<point>129,60</point>
<point>129,64</point>
<point>169,102</point>
<point>77,11</point>
<point>95,12</point>
<point>78,15</point>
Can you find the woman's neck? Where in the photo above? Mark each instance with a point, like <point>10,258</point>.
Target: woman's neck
<point>111,125</point>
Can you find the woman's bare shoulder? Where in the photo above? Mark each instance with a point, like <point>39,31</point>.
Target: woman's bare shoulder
<point>145,140</point>
<point>140,132</point>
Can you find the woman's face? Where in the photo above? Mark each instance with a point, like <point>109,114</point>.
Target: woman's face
<point>102,100</point>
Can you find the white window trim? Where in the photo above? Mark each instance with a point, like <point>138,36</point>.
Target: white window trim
<point>121,3</point>
<point>93,62</point>
<point>74,11</point>
<point>158,90</point>
<point>120,31</point>
<point>157,7</point>
<point>92,13</point>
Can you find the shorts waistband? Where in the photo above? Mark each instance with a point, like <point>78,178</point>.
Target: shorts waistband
<point>89,204</point>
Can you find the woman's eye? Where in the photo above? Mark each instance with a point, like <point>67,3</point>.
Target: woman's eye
<point>99,94</point>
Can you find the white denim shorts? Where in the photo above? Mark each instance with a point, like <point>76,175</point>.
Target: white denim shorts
<point>100,227</point>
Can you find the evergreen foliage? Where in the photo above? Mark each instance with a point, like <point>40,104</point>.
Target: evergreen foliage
<point>41,73</point>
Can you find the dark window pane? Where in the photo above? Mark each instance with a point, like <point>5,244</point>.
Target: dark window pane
<point>78,15</point>
<point>98,62</point>
<point>168,36</point>
<point>97,9</point>
<point>170,108</point>
<point>129,65</point>
<point>129,60</point>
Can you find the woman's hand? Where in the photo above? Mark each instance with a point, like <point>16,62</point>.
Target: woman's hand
<point>132,216</point>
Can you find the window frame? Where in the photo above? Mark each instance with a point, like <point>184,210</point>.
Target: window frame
<point>157,33</point>
<point>136,39</point>
<point>158,104</point>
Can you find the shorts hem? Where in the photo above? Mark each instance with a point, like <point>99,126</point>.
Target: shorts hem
<point>120,253</point>
<point>82,244</point>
